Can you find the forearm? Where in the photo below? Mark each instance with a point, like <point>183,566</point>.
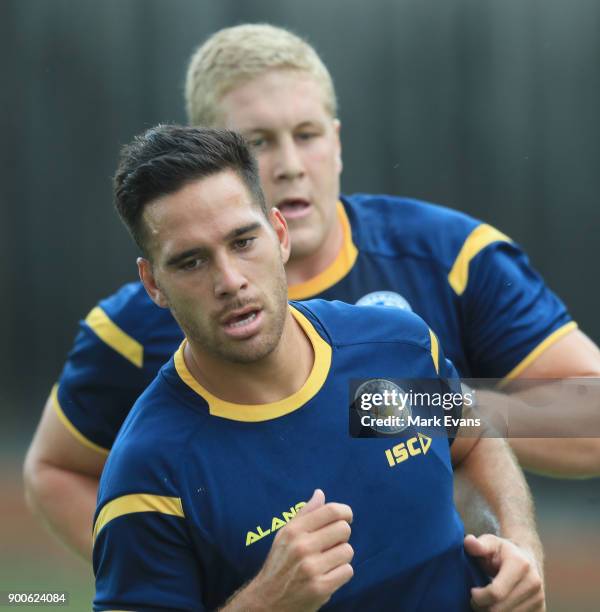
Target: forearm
<point>66,502</point>
<point>559,457</point>
<point>567,403</point>
<point>492,468</point>
<point>557,413</point>
<point>474,511</point>
<point>245,600</point>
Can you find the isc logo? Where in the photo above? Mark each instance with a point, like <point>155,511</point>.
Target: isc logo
<point>414,446</point>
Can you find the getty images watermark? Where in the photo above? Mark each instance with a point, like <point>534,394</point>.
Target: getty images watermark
<point>475,407</point>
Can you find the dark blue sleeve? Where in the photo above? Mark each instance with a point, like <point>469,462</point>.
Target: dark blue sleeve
<point>97,388</point>
<point>144,561</point>
<point>509,312</point>
<point>144,557</point>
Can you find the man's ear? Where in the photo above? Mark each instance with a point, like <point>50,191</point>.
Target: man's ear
<point>279,224</point>
<point>149,282</point>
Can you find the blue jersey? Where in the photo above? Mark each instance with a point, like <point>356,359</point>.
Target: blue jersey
<point>469,282</point>
<point>195,487</point>
<point>120,347</point>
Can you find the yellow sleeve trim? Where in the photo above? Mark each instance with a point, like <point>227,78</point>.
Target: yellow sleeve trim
<point>71,428</point>
<point>482,236</point>
<point>538,350</point>
<point>115,337</point>
<point>336,271</point>
<point>435,351</point>
<point>137,502</point>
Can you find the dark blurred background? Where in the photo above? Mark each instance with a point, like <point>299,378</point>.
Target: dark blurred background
<point>490,107</point>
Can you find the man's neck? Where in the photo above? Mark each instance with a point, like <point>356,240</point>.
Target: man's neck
<point>279,375</point>
<point>303,269</point>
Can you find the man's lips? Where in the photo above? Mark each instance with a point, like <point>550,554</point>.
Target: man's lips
<point>294,208</point>
<point>232,316</point>
<point>243,322</point>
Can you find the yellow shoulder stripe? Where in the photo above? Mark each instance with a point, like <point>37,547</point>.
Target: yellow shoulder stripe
<point>137,502</point>
<point>115,337</point>
<point>537,351</point>
<point>482,236</point>
<point>435,351</point>
<point>71,428</point>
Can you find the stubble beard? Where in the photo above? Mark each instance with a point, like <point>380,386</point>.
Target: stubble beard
<point>242,351</point>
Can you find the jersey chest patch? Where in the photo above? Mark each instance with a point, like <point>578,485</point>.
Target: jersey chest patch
<point>384,298</point>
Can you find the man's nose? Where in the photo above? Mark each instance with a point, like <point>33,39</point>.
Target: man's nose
<point>289,164</point>
<point>228,279</point>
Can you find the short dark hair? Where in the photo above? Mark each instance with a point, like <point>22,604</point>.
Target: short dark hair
<point>165,158</point>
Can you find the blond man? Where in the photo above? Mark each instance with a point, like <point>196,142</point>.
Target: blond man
<point>493,313</point>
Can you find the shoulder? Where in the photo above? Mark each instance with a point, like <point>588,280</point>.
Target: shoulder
<point>128,321</point>
<point>131,309</point>
<point>141,490</point>
<point>345,324</point>
<point>395,226</point>
<point>148,447</point>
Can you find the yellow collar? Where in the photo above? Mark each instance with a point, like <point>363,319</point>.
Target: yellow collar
<point>335,271</point>
<point>264,412</point>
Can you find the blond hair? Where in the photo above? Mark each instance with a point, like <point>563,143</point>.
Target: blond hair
<point>236,55</point>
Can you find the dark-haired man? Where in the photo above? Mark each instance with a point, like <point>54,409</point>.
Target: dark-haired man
<point>474,287</point>
<point>250,417</point>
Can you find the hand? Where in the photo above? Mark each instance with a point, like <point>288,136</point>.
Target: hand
<point>309,560</point>
<point>517,584</point>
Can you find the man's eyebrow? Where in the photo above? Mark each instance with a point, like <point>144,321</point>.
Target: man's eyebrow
<point>308,123</point>
<point>259,131</point>
<point>179,257</point>
<point>238,231</point>
<point>244,229</point>
<point>253,130</point>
